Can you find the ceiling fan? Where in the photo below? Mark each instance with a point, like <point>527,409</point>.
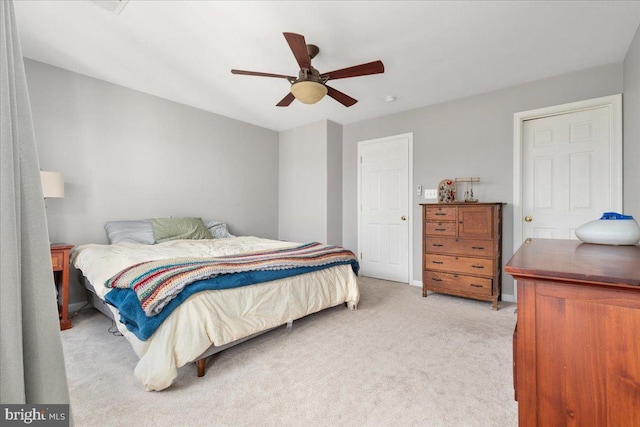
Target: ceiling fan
<point>311,86</point>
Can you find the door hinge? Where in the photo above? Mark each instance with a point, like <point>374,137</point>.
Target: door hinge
<point>360,159</point>
<point>360,255</point>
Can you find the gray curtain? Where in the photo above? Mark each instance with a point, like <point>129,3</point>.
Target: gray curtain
<point>32,367</point>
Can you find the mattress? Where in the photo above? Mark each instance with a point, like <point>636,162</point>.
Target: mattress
<point>217,317</point>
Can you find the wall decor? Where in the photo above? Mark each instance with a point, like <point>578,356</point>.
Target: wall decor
<point>447,191</point>
<point>468,193</point>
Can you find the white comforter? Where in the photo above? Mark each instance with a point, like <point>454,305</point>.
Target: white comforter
<point>213,317</point>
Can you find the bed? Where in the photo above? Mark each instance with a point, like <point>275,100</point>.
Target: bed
<point>208,321</point>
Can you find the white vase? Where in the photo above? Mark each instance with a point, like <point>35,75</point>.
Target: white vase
<point>611,229</point>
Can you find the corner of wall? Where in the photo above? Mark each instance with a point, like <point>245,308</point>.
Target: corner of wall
<point>631,127</point>
<point>334,183</point>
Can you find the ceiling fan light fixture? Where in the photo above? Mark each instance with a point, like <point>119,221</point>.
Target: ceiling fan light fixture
<point>310,86</point>
<point>308,92</point>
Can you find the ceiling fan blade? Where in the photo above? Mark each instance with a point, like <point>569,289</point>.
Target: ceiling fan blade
<point>256,73</point>
<point>342,98</point>
<point>299,48</point>
<point>375,67</point>
<point>286,101</point>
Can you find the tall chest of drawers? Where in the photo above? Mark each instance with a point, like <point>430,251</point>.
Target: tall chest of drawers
<point>462,250</point>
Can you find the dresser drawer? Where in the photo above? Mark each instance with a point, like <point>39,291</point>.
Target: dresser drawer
<point>460,246</point>
<point>440,228</point>
<point>459,264</point>
<point>57,261</point>
<point>458,282</point>
<point>442,213</point>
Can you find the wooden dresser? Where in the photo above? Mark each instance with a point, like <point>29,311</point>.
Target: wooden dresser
<point>461,250</point>
<point>577,340</point>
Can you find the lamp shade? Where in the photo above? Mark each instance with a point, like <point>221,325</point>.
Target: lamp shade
<point>308,92</point>
<point>52,184</point>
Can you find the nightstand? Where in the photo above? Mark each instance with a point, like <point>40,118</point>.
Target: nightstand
<point>60,264</point>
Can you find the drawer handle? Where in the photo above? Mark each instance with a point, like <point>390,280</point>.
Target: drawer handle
<point>476,286</point>
<point>437,245</point>
<point>437,262</point>
<point>478,266</point>
<point>477,247</point>
<point>441,229</point>
<point>436,280</point>
<point>440,214</point>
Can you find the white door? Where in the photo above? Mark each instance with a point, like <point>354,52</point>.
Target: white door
<point>567,167</point>
<point>383,221</point>
<point>566,172</point>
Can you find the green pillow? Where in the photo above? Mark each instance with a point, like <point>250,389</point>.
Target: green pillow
<point>165,229</point>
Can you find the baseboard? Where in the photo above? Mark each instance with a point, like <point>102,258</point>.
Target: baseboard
<point>505,297</point>
<point>508,298</point>
<point>76,306</point>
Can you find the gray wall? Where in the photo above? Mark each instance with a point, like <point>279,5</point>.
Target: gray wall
<point>310,185</point>
<point>631,112</point>
<point>129,155</point>
<point>334,183</point>
<point>302,183</point>
<point>468,137</point>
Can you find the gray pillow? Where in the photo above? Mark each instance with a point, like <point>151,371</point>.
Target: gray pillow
<point>218,229</point>
<point>165,229</point>
<point>130,231</point>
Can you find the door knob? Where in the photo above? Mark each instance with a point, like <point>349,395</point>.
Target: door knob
<point>403,217</point>
<point>528,218</point>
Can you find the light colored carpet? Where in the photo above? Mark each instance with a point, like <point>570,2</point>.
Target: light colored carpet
<point>399,360</point>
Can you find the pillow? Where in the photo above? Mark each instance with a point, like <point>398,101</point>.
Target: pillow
<point>130,231</point>
<point>218,229</point>
<point>165,229</point>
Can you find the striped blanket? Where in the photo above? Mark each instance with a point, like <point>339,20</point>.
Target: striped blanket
<point>156,283</point>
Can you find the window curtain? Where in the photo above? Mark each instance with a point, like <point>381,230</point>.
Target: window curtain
<point>31,359</point>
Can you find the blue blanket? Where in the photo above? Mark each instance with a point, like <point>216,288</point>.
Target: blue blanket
<point>136,321</point>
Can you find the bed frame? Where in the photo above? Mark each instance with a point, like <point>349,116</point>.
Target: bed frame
<point>201,360</point>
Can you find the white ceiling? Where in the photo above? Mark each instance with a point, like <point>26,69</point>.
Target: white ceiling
<point>432,51</point>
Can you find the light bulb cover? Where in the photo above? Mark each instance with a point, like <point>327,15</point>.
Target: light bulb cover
<point>308,92</point>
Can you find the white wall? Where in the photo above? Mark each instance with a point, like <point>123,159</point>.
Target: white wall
<point>129,155</point>
<point>631,106</point>
<point>468,137</point>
